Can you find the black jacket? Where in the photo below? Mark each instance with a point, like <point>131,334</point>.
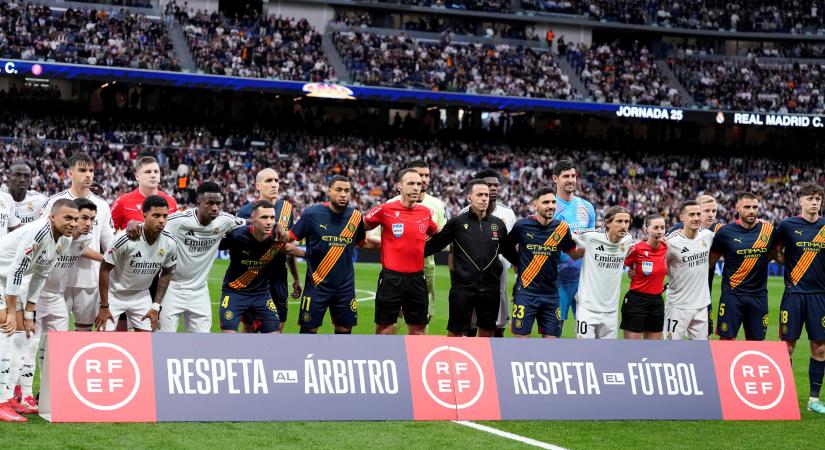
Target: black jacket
<point>476,246</point>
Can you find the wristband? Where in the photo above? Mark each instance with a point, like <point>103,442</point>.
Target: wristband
<point>28,315</point>
<point>104,306</point>
<point>156,307</point>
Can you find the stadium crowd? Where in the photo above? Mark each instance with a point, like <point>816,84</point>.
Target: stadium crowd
<point>307,159</point>
<point>616,74</point>
<point>798,16</point>
<point>753,85</point>
<point>400,61</point>
<point>84,36</point>
<point>263,47</point>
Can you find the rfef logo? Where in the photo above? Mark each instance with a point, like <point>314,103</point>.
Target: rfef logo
<point>755,380</point>
<point>452,378</point>
<point>104,376</point>
<point>93,381</point>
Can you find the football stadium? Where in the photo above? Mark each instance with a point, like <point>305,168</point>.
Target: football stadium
<point>401,191</point>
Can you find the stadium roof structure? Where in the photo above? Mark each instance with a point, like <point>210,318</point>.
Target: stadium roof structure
<point>48,70</point>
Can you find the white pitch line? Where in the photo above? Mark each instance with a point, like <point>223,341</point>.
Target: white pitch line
<point>508,435</point>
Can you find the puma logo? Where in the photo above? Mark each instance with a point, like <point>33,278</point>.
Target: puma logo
<point>323,226</point>
<point>798,232</point>
<point>530,235</point>
<point>737,240</point>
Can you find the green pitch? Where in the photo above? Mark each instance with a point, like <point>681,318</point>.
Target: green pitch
<point>358,435</point>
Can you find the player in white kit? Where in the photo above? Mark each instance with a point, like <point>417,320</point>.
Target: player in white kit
<point>198,233</point>
<point>52,311</point>
<point>688,293</point>
<point>28,205</point>
<point>81,282</point>
<point>600,281</point>
<point>129,268</point>
<point>26,258</point>
<point>8,218</point>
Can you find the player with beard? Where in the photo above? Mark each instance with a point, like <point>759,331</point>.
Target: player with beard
<point>746,247</point>
<point>539,240</point>
<point>332,230</point>
<point>580,216</point>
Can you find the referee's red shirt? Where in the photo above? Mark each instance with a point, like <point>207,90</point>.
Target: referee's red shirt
<point>651,267</point>
<point>130,207</point>
<point>403,234</point>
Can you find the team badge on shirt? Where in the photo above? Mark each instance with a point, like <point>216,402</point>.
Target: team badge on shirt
<point>422,227</point>
<point>397,229</point>
<point>161,252</point>
<point>647,267</point>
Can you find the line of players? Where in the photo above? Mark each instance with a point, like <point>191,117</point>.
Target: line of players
<point>559,263</point>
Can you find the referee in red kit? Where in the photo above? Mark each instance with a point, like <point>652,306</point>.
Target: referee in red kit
<point>405,225</point>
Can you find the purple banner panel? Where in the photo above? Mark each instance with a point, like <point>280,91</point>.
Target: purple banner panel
<point>220,377</point>
<point>615,380</point>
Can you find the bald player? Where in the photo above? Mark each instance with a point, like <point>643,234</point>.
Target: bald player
<point>268,185</point>
<point>439,216</point>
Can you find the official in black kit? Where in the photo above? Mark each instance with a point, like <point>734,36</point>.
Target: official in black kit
<point>477,238</point>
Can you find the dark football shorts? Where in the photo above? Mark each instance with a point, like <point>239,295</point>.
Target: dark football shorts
<point>399,292</point>
<point>643,313</point>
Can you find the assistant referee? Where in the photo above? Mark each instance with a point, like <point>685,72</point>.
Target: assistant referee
<point>405,225</point>
<point>477,238</point>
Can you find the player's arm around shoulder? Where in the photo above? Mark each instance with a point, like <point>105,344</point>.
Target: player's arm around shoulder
<point>441,239</point>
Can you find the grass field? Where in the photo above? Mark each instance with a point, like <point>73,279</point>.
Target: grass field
<point>358,435</point>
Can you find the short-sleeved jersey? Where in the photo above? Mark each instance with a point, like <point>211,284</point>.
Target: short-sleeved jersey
<point>330,238</point>
<point>249,261</point>
<point>85,273</point>
<point>137,263</point>
<point>27,256</point>
<point>746,252</point>
<point>129,207</point>
<point>650,267</point>
<point>687,269</point>
<point>197,245</point>
<point>804,244</point>
<point>600,280</point>
<point>8,217</point>
<point>284,211</point>
<point>580,216</point>
<point>31,207</point>
<point>56,283</point>
<point>539,247</point>
<point>403,234</point>
<point>439,214</point>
